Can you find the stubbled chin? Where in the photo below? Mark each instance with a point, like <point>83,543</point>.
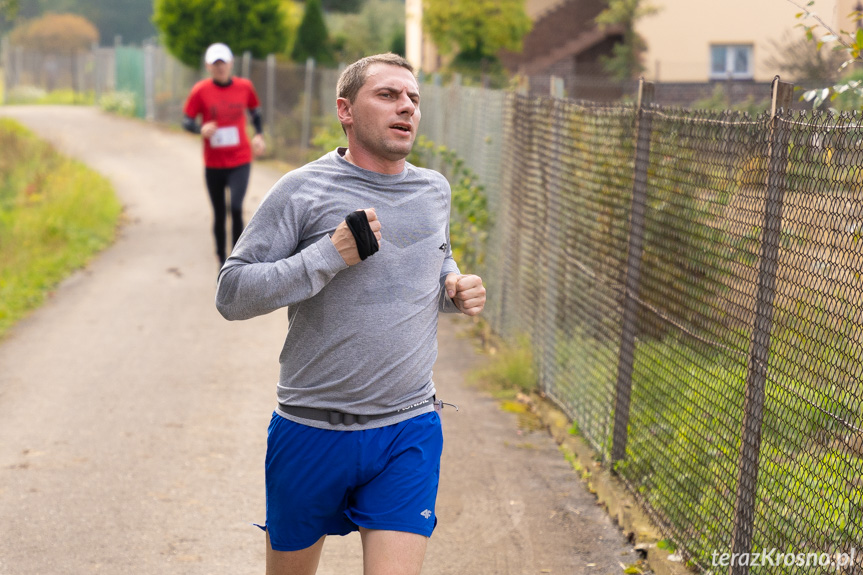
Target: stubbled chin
<point>401,149</point>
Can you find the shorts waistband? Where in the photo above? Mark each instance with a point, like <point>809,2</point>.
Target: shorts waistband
<point>342,418</point>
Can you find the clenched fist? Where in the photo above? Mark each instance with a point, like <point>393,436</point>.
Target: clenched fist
<point>344,240</point>
<point>466,292</point>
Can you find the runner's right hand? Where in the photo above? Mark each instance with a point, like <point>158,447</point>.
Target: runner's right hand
<point>208,129</point>
<point>344,240</point>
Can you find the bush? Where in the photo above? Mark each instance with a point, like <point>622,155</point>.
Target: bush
<point>328,137</point>
<point>55,33</point>
<point>684,446</point>
<point>121,103</point>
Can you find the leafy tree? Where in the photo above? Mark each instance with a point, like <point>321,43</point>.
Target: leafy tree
<point>795,58</point>
<point>398,42</point>
<point>8,9</point>
<point>293,14</point>
<point>27,8</point>
<point>349,6</point>
<point>55,33</point>
<point>625,60</point>
<point>371,31</point>
<point>130,19</point>
<point>313,39</point>
<point>848,44</point>
<point>849,95</point>
<point>187,27</point>
<point>476,29</point>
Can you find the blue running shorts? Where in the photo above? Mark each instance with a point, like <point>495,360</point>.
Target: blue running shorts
<point>324,482</point>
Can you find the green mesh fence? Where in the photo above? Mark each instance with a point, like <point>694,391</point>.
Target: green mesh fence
<point>129,75</point>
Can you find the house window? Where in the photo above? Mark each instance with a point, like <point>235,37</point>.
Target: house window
<point>731,61</point>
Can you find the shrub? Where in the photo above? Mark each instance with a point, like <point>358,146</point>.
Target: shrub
<point>121,103</point>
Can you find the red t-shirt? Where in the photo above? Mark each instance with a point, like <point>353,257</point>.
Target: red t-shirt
<point>226,105</point>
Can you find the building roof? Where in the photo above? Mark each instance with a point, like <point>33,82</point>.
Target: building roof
<point>562,29</point>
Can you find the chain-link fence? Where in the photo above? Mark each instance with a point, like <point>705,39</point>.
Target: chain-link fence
<point>29,71</point>
<point>690,284</point>
<point>296,100</point>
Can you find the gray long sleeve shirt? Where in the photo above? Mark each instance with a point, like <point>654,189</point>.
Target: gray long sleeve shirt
<point>361,339</point>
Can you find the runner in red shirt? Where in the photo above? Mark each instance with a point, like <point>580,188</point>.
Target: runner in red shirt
<point>222,102</point>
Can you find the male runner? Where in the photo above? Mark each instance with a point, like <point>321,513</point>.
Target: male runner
<point>355,442</point>
<point>222,101</point>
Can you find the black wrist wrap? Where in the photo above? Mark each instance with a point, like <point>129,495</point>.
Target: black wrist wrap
<point>358,223</point>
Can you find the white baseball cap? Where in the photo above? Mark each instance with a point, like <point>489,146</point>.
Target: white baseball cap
<point>218,51</point>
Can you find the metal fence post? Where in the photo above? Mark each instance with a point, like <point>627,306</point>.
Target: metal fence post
<point>18,67</point>
<point>452,101</point>
<point>556,88</point>
<point>623,388</point>
<point>246,65</point>
<point>270,111</point>
<point>759,351</point>
<point>307,104</point>
<point>7,68</point>
<point>553,225</point>
<point>98,80</point>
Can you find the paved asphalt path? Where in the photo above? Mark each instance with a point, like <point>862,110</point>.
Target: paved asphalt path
<point>133,417</point>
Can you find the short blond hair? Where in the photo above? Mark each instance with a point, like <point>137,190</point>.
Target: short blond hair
<point>354,76</point>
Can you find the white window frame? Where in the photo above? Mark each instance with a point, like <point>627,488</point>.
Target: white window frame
<point>731,50</point>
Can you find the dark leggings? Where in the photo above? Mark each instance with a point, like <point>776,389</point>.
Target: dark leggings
<point>237,180</point>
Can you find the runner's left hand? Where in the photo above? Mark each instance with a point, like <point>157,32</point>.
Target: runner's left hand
<point>466,292</point>
<point>259,145</point>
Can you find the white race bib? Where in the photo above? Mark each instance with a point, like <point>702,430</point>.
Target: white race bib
<point>225,137</point>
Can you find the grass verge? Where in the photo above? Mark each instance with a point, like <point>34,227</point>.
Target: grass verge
<point>55,214</point>
<point>510,370</point>
<point>509,376</point>
<point>37,95</point>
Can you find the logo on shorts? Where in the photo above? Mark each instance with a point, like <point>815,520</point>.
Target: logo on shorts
<point>427,513</point>
<point>442,247</point>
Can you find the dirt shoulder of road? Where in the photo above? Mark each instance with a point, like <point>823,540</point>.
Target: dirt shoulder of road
<point>610,490</point>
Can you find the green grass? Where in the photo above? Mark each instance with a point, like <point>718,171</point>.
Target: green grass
<point>36,95</point>
<point>509,372</point>
<point>508,376</point>
<point>55,214</point>
<point>684,443</point>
